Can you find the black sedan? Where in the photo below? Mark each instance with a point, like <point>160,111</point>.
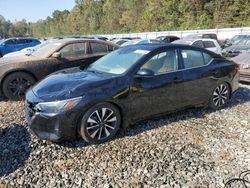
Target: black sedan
<point>125,86</point>
<point>18,73</point>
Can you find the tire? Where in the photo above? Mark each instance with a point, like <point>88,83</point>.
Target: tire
<point>16,84</point>
<point>220,96</point>
<point>1,55</point>
<point>100,123</point>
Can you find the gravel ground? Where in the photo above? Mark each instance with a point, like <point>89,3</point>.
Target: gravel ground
<point>192,148</point>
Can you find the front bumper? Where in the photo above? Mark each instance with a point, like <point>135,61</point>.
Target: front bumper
<point>54,127</point>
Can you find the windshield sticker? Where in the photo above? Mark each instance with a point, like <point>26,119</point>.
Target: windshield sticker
<point>184,55</point>
<point>141,51</point>
<point>57,44</point>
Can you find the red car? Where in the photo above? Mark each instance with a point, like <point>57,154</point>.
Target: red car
<point>244,64</point>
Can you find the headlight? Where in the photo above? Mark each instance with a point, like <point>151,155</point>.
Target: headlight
<point>57,106</point>
<point>246,66</point>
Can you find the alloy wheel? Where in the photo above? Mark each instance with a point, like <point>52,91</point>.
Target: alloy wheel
<point>101,123</point>
<point>18,86</point>
<point>220,95</point>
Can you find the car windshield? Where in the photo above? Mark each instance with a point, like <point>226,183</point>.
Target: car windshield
<point>46,50</point>
<point>119,61</point>
<point>244,42</point>
<point>238,38</point>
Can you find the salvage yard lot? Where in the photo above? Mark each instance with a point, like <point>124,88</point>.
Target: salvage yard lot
<point>191,148</point>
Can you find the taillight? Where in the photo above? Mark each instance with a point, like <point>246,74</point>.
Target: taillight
<point>237,67</point>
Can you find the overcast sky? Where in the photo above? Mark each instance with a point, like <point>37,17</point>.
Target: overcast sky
<point>32,10</point>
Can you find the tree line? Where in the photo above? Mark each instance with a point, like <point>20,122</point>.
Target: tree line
<point>123,16</point>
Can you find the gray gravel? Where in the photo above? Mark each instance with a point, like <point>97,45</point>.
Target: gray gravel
<point>191,148</point>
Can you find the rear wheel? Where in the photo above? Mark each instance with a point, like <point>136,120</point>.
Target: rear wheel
<point>16,84</point>
<point>100,123</point>
<point>220,96</point>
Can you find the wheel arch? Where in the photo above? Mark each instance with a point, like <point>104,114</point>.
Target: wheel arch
<point>230,87</point>
<point>16,71</point>
<point>124,123</point>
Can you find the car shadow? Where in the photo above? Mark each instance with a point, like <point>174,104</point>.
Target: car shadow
<point>241,96</point>
<point>14,148</point>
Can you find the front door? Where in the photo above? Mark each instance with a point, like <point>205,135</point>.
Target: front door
<point>161,92</point>
<point>72,55</point>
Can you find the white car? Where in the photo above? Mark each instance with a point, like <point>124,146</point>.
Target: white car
<point>209,44</point>
<point>142,41</point>
<point>28,50</point>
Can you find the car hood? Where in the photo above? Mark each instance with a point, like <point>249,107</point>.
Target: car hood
<point>16,59</point>
<point>237,48</point>
<point>243,58</point>
<point>69,84</point>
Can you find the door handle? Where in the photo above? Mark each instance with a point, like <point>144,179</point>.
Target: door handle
<point>177,79</point>
<point>215,71</point>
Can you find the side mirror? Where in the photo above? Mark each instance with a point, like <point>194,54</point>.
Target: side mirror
<point>56,55</point>
<point>145,73</point>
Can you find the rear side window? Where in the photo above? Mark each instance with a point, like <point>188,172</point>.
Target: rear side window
<point>208,44</point>
<point>21,41</point>
<point>207,58</point>
<point>192,58</point>
<point>10,42</point>
<point>29,40</point>
<point>98,48</point>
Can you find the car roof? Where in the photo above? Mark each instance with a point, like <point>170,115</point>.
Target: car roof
<point>155,46</point>
<point>22,38</point>
<point>244,33</point>
<point>72,40</point>
<point>189,41</point>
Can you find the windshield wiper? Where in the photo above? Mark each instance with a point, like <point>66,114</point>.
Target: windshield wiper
<point>94,71</point>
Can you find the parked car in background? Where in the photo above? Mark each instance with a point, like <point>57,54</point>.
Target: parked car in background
<point>16,44</point>
<point>29,50</point>
<point>18,73</point>
<point>209,44</point>
<point>237,39</point>
<point>128,85</point>
<point>120,41</point>
<point>168,38</point>
<point>244,66</point>
<point>141,41</point>
<point>206,36</point>
<point>238,48</point>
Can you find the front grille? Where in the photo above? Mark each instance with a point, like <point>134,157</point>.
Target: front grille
<point>29,109</point>
<point>245,77</point>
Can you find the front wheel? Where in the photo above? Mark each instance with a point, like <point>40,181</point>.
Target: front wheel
<point>220,96</point>
<point>100,123</point>
<point>16,84</point>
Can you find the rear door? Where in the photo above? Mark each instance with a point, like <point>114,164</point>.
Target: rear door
<point>198,75</point>
<point>161,92</point>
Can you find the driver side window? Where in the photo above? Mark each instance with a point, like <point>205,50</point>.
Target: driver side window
<point>10,42</point>
<point>73,50</point>
<point>163,62</point>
